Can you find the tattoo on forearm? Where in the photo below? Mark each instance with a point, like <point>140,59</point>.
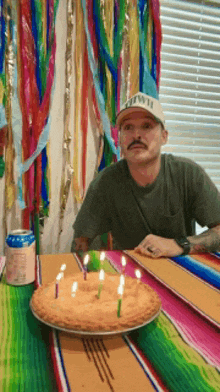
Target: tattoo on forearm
<point>208,241</point>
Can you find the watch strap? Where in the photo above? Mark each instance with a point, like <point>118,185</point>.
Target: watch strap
<point>184,243</point>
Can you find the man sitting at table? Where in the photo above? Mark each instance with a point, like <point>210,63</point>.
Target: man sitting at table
<point>149,201</point>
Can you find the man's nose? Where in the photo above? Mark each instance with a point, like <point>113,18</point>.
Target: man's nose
<point>137,133</point>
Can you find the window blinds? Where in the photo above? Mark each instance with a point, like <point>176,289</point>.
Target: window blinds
<point>190,81</point>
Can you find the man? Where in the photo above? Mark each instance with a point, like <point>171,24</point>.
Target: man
<point>149,201</point>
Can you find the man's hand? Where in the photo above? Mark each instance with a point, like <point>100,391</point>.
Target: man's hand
<point>155,246</point>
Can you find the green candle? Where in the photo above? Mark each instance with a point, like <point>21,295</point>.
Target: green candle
<point>101,278</point>
<point>119,307</point>
<point>120,292</point>
<point>99,290</point>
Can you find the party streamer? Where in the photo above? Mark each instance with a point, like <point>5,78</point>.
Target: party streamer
<point>67,170</point>
<point>36,61</point>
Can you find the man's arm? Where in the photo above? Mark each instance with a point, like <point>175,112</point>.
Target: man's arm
<point>155,246</point>
<point>208,241</point>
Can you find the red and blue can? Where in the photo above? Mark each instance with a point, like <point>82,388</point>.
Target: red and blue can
<point>20,257</point>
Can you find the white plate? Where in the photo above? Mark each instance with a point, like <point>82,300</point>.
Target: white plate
<point>97,334</point>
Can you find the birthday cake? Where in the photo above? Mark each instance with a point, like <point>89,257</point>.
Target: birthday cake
<point>86,312</point>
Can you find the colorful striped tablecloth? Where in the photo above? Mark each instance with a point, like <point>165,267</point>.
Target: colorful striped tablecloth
<point>178,352</point>
<point>25,359</point>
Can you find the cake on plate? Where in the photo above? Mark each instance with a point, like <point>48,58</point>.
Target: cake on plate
<point>86,312</point>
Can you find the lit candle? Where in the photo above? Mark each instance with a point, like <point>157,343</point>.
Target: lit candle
<point>102,257</point>
<point>120,292</point>
<point>59,276</point>
<point>138,274</point>
<point>74,288</point>
<point>85,268</point>
<point>101,278</point>
<point>63,267</point>
<point>123,262</point>
<point>122,280</point>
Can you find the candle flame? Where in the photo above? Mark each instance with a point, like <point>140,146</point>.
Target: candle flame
<point>102,256</point>
<point>74,286</point>
<point>122,280</point>
<point>123,261</point>
<point>59,276</point>
<point>86,260</point>
<point>63,267</point>
<point>138,273</point>
<point>120,289</point>
<point>101,274</point>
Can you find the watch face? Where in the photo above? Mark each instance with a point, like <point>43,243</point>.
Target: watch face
<point>185,244</point>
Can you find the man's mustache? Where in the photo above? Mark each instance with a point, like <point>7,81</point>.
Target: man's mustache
<point>136,142</point>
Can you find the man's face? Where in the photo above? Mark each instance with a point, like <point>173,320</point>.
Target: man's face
<point>141,137</point>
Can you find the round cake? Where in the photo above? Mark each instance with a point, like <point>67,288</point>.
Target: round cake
<point>86,312</point>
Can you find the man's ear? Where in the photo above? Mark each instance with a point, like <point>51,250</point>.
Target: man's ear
<point>164,136</point>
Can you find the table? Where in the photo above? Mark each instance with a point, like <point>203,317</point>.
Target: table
<point>179,351</point>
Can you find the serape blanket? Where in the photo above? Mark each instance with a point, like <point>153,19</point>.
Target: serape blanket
<point>25,362</point>
<point>178,351</point>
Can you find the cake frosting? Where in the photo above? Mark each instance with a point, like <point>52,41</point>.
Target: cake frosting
<point>86,312</point>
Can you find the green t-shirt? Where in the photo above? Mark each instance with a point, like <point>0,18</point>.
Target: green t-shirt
<point>181,194</point>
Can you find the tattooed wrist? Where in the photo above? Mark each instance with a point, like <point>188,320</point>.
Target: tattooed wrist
<point>208,241</point>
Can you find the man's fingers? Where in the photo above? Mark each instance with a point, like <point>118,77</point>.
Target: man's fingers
<point>143,251</point>
<point>148,250</point>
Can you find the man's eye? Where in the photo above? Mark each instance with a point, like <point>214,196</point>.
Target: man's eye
<point>146,125</point>
<point>128,127</point>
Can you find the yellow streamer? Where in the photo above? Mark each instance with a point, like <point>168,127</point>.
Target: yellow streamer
<point>1,92</point>
<point>125,55</point>
<point>134,48</point>
<point>79,42</point>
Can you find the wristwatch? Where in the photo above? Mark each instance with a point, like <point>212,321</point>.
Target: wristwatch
<point>184,243</point>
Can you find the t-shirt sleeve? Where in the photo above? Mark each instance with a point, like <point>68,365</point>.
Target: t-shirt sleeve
<point>205,198</point>
<point>92,218</point>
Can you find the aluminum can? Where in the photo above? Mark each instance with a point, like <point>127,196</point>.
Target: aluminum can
<point>20,257</point>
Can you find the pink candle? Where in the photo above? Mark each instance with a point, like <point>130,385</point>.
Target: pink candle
<point>56,290</point>
<point>59,276</point>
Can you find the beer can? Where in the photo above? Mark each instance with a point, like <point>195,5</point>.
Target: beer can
<point>20,257</point>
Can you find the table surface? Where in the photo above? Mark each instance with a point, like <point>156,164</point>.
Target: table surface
<point>178,351</point>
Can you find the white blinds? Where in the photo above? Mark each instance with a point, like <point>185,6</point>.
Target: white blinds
<point>190,81</point>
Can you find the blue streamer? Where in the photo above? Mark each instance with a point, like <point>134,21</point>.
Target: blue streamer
<point>103,50</point>
<point>36,41</point>
<point>147,83</point>
<point>154,59</point>
<point>100,99</point>
<point>44,191</point>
